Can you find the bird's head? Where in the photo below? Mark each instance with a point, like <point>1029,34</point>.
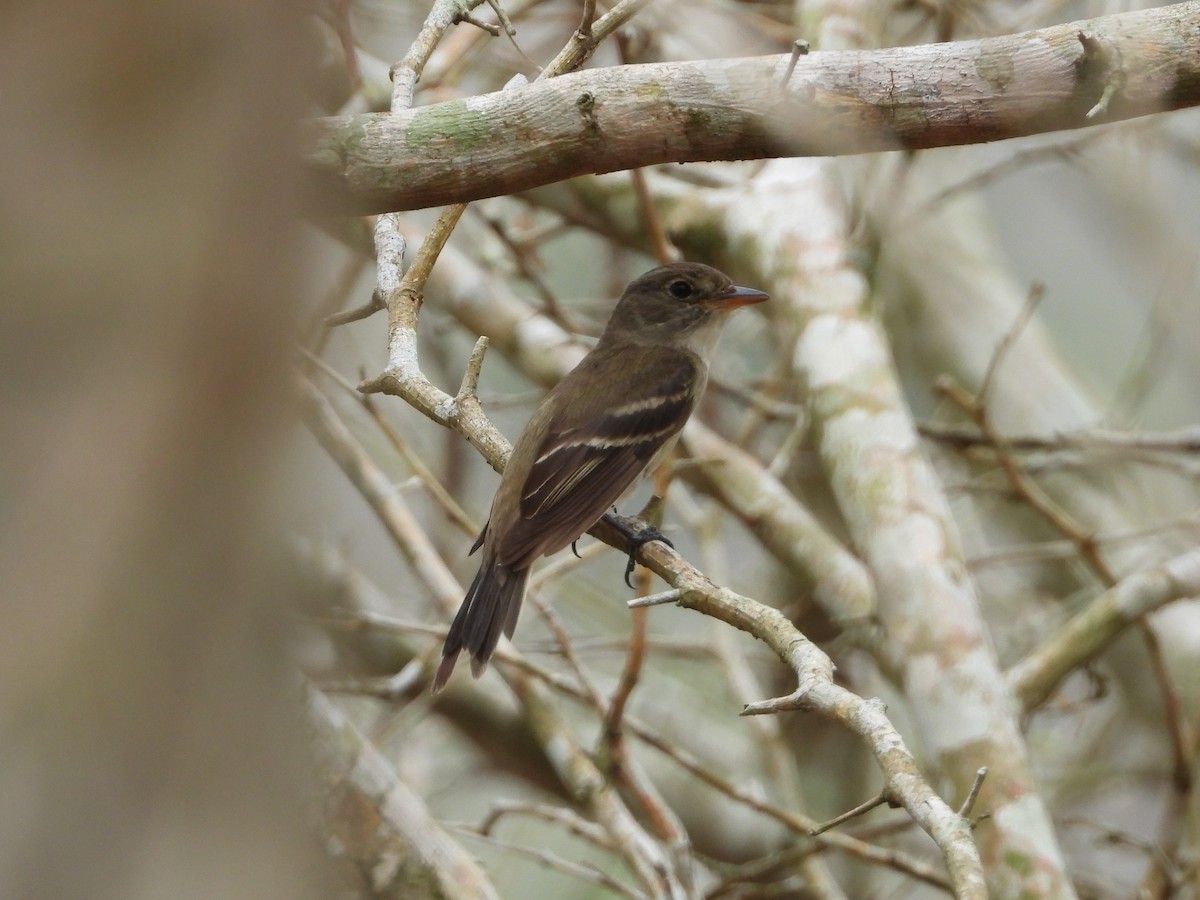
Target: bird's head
<point>678,299</point>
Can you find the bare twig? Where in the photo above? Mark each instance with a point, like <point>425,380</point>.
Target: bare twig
<point>582,45</point>
<point>861,809</point>
<point>493,30</point>
<point>841,584</point>
<point>1186,440</point>
<point>380,493</point>
<point>403,376</point>
<point>566,649</point>
<point>797,823</point>
<point>636,655</point>
<point>589,14</point>
<point>407,72</point>
<point>1036,292</point>
<point>973,793</point>
<point>664,250</point>
<point>368,309</point>
<point>659,599</point>
<point>817,692</point>
<point>559,815</point>
<point>1071,151</point>
<point>581,871</point>
<point>799,49</point>
<point>521,254</point>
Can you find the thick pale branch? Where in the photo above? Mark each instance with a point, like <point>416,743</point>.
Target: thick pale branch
<point>842,585</point>
<point>404,844</point>
<point>603,120</point>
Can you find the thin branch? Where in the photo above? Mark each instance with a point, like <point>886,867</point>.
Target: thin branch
<point>659,599</point>
<point>860,810</point>
<point>583,44</point>
<point>1094,628</point>
<point>973,793</point>
<point>817,692</point>
<point>589,14</point>
<point>1036,293</point>
<point>403,376</point>
<point>1068,151</point>
<point>613,745</point>
<point>523,257</point>
<point>1030,492</point>
<point>653,866</point>
<point>796,822</point>
<point>779,770</point>
<point>511,31</point>
<point>566,818</point>
<point>566,649</point>
<point>664,251</point>
<point>368,309</point>
<point>841,584</point>
<point>1185,440</point>
<point>379,492</point>
<point>581,871</point>
<point>611,736</point>
<point>406,73</point>
<point>506,656</point>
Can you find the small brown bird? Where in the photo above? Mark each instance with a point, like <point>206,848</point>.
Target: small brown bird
<point>593,434</point>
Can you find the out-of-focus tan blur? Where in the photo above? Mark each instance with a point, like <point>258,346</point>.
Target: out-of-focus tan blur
<point>147,724</point>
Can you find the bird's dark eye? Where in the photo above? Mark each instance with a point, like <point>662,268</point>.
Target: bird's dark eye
<point>680,290</point>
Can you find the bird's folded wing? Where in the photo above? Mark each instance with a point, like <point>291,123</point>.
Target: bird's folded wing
<point>591,455</point>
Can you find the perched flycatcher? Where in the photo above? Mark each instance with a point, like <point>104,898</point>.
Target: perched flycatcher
<point>595,432</point>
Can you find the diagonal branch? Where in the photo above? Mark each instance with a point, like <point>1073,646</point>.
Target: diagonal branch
<point>1087,633</point>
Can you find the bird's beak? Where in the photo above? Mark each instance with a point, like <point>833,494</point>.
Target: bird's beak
<point>733,297</point>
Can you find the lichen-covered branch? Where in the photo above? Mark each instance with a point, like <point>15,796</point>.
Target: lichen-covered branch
<point>836,102</point>
<point>383,825</point>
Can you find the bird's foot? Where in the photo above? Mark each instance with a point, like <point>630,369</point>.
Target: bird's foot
<point>637,532</point>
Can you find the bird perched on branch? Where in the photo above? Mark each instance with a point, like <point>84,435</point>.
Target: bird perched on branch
<point>605,423</point>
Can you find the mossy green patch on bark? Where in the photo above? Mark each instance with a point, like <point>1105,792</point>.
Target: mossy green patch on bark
<point>1019,863</point>
<point>996,68</point>
<point>451,123</point>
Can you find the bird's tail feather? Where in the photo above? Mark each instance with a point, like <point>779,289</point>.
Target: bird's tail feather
<point>490,607</point>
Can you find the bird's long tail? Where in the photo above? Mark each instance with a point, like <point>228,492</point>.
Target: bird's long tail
<point>490,607</point>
